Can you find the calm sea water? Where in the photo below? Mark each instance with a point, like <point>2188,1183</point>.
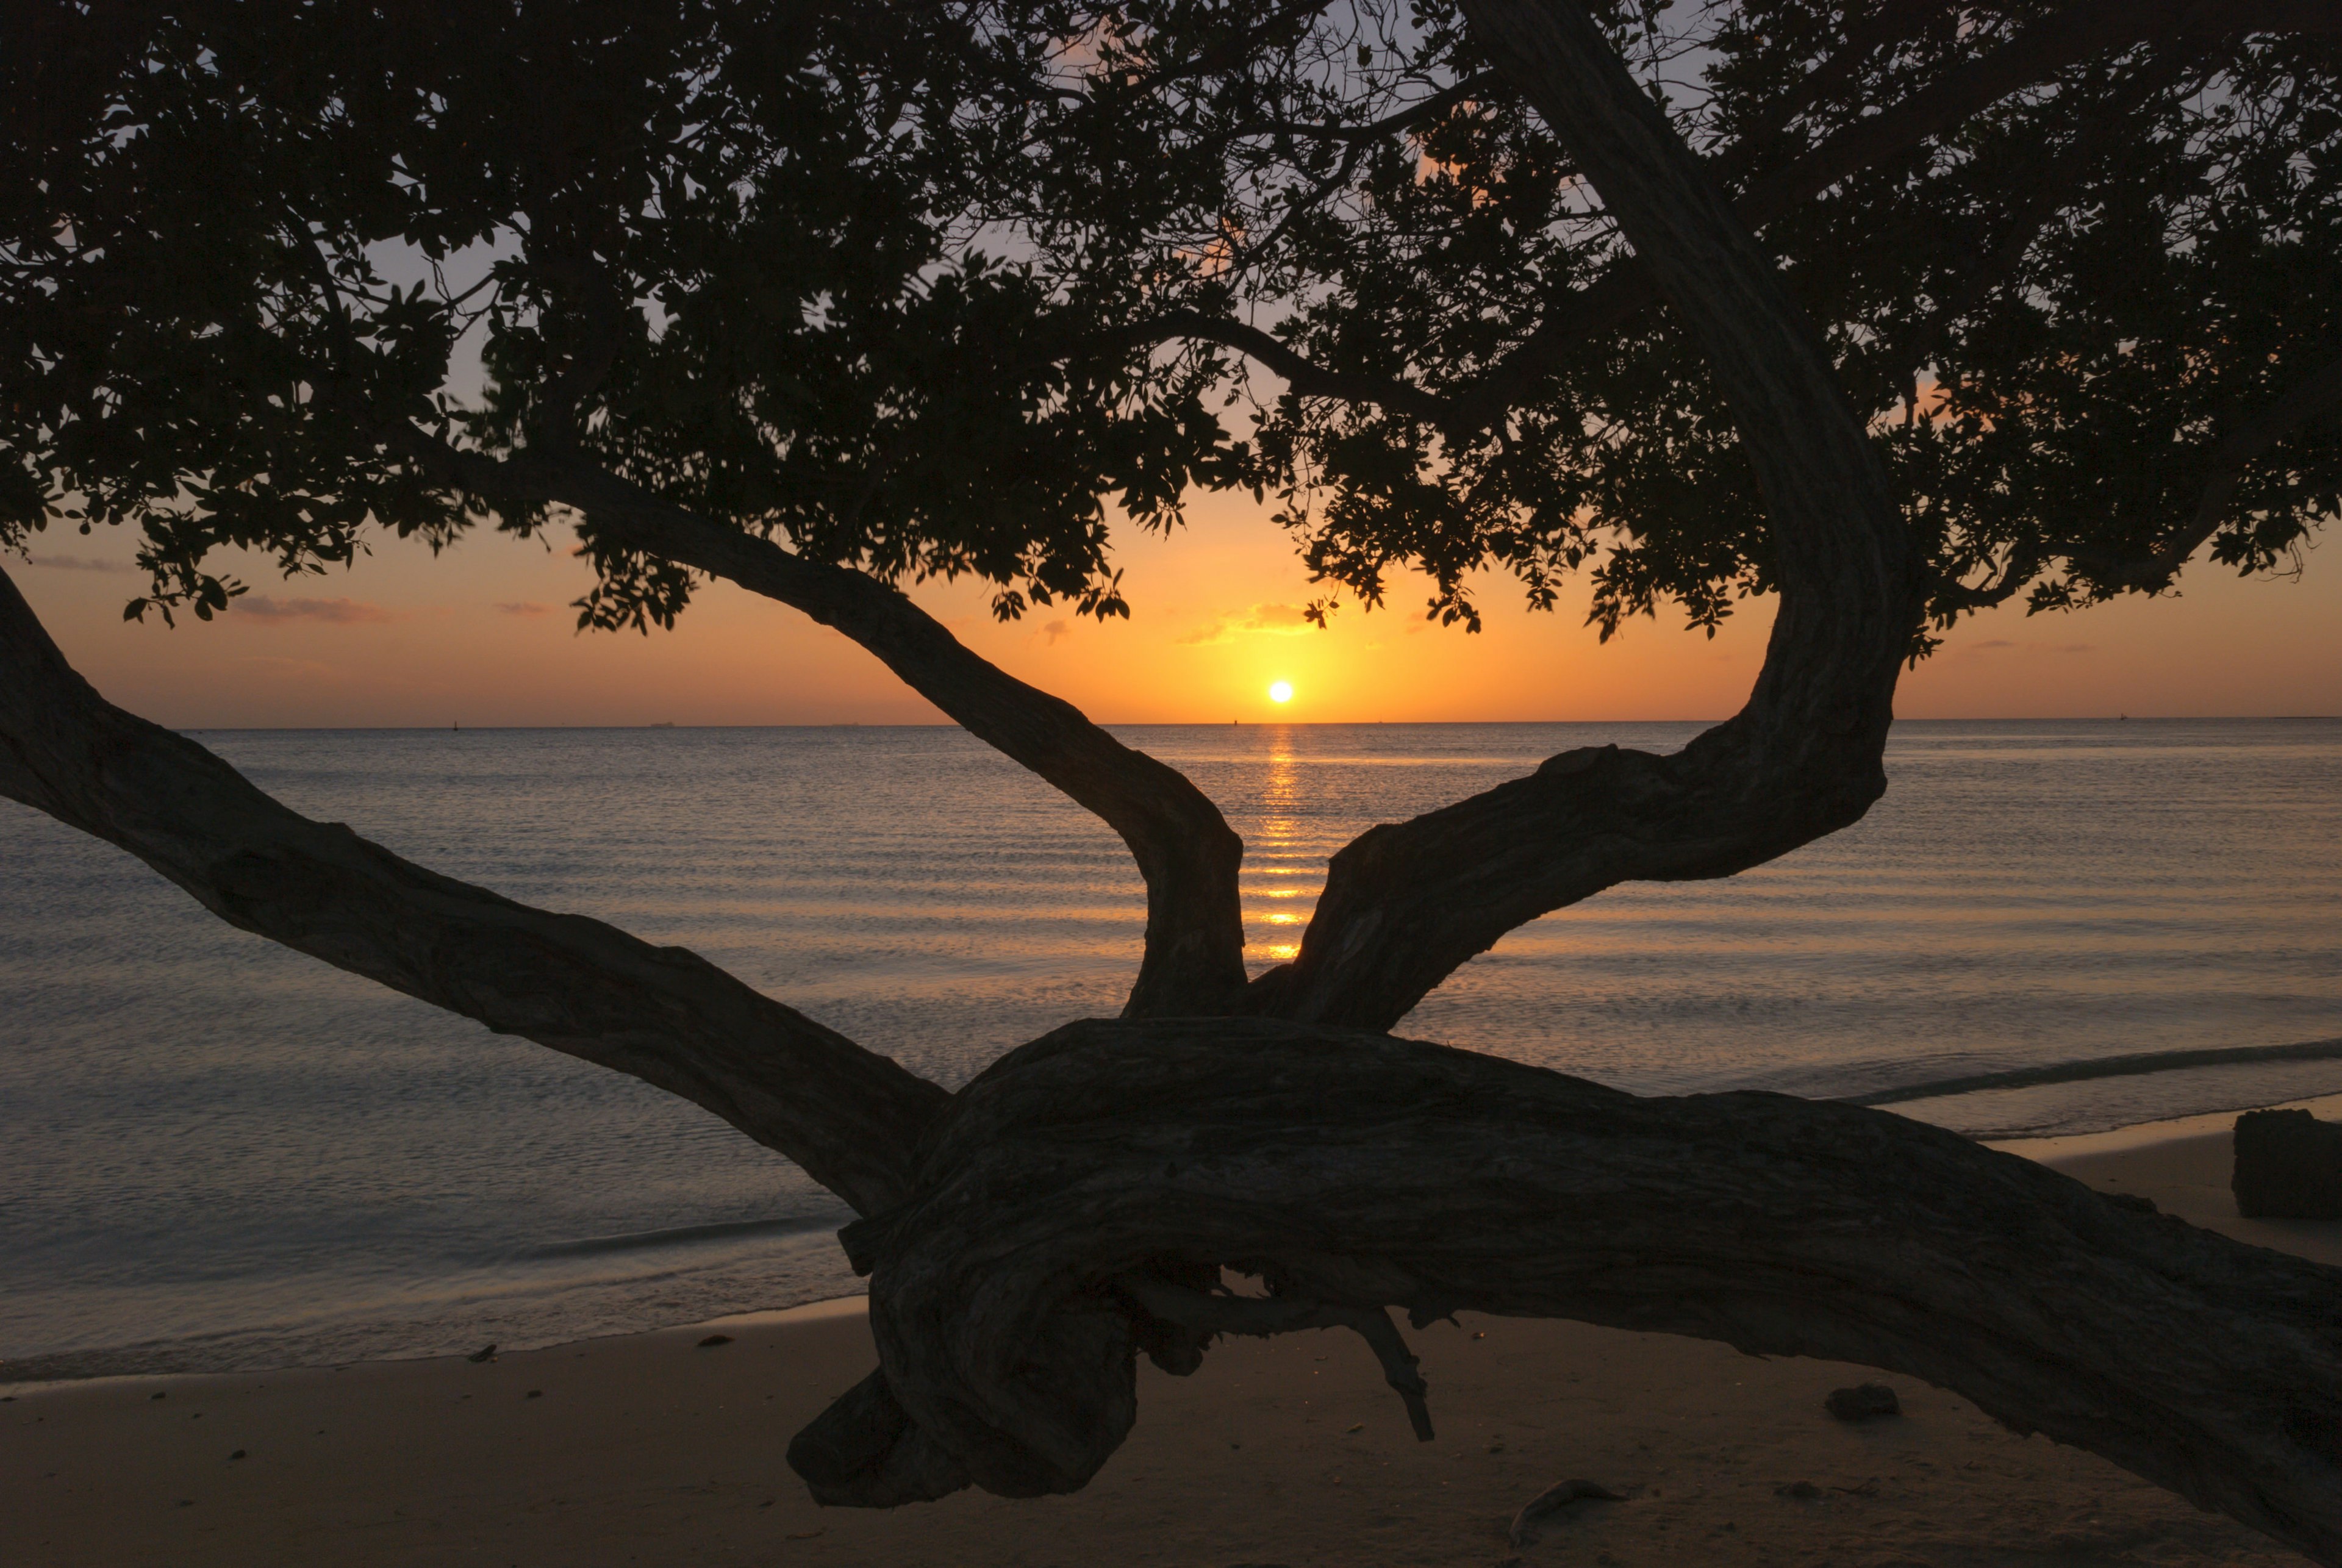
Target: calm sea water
<point>220,1154</point>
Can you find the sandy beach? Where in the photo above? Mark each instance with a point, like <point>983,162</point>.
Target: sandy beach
<point>652,1448</point>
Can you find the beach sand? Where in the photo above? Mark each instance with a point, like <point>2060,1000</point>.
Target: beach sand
<point>651,1449</point>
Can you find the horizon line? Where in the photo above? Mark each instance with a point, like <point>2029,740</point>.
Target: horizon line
<point>1252,723</point>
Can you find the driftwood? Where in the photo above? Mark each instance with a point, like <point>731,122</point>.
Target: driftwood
<point>1078,1203</point>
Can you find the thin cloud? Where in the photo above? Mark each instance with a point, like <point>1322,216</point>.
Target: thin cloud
<point>525,608</point>
<point>2036,647</point>
<point>1269,620</point>
<point>76,563</point>
<point>332,612</point>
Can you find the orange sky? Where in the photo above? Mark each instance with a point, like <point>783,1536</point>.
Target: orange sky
<point>482,635</point>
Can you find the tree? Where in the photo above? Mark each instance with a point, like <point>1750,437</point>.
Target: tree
<point>819,300</point>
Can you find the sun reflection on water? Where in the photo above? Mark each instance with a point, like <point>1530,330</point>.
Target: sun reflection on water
<point>1280,845</point>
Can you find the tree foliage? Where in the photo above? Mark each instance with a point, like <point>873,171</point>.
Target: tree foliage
<point>937,289</point>
<point>2088,321</point>
<point>727,251</point>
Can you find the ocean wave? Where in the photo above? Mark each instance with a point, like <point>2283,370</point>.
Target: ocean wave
<point>676,1235</point>
<point>2135,1064</point>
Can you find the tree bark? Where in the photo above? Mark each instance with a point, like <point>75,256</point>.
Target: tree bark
<point>663,1015</point>
<point>1351,1172</point>
<point>1407,903</point>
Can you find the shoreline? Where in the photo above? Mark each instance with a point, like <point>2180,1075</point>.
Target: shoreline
<point>2053,1148</point>
<point>650,1448</point>
<point>2085,1150</point>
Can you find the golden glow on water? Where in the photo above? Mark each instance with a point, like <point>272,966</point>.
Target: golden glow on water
<point>1283,833</point>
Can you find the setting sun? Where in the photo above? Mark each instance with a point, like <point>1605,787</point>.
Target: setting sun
<point>1281,691</point>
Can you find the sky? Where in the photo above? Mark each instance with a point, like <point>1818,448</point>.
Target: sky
<point>482,635</point>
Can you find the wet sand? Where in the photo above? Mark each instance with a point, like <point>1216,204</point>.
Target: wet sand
<point>651,1449</point>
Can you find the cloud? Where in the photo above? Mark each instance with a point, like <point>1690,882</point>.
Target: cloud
<point>2033,647</point>
<point>526,607</point>
<point>76,563</point>
<point>1271,620</point>
<point>334,612</point>
<point>1056,629</point>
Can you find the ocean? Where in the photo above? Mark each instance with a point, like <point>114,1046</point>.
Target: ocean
<point>221,1154</point>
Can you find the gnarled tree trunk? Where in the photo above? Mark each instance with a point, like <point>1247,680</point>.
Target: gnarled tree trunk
<point>1081,1196</point>
<point>1077,1202</point>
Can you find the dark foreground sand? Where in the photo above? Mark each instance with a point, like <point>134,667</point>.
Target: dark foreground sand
<point>649,1450</point>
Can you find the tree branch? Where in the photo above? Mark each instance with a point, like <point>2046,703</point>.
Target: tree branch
<point>2016,571</point>
<point>1405,905</point>
<point>1890,22</point>
<point>1186,852</point>
<point>1305,377</point>
<point>1353,1172</point>
<point>2319,395</point>
<point>1401,119</point>
<point>2061,175</point>
<point>663,1015</point>
<point>2079,33</point>
<point>1207,1313</point>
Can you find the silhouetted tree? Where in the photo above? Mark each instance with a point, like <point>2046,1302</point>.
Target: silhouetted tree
<point>1889,310</point>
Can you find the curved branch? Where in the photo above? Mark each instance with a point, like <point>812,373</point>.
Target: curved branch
<point>2016,571</point>
<point>1890,22</point>
<point>1401,119</point>
<point>1303,376</point>
<point>2079,33</point>
<point>1354,1171</point>
<point>2318,395</point>
<point>1206,1314</point>
<point>2061,175</point>
<point>2076,34</point>
<point>663,1015</point>
<point>1406,904</point>
<point>1193,961</point>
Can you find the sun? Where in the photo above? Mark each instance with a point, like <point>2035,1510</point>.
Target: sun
<point>1280,692</point>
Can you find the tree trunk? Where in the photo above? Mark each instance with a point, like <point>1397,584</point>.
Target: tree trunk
<point>1407,903</point>
<point>1080,1197</point>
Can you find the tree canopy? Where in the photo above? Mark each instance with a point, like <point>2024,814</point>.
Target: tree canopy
<point>724,251</point>
<point>936,289</point>
<point>1891,311</point>
<point>2076,268</point>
